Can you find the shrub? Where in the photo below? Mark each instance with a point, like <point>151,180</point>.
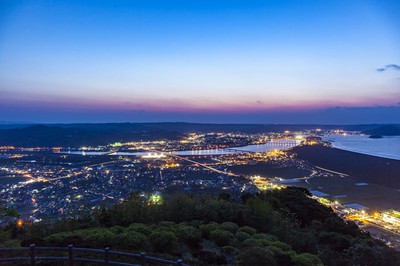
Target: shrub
<point>133,240</point>
<point>117,229</point>
<point>306,259</point>
<point>98,237</point>
<point>247,229</point>
<point>222,237</point>
<point>256,256</point>
<point>229,250</point>
<point>281,245</point>
<point>265,236</point>
<point>338,241</point>
<point>207,228</point>
<point>211,258</point>
<point>140,228</point>
<point>262,239</point>
<point>251,242</point>
<point>242,236</point>
<point>166,225</point>
<point>229,226</point>
<point>163,240</point>
<point>188,234</point>
<point>57,239</point>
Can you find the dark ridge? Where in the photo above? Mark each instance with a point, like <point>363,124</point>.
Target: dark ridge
<point>389,130</point>
<point>49,136</point>
<point>74,135</point>
<point>375,170</point>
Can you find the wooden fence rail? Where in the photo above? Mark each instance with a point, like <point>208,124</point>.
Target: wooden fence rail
<point>72,257</point>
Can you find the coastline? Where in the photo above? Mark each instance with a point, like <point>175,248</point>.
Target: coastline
<point>382,148</point>
<point>376,154</point>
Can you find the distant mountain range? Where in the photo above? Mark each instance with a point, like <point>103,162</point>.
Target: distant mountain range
<point>389,130</point>
<point>76,135</point>
<point>81,135</point>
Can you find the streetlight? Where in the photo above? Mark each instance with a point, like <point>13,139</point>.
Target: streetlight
<point>20,223</point>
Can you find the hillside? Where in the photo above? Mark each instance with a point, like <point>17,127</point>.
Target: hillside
<point>280,227</point>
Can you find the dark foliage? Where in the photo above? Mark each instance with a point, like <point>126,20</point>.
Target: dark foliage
<point>279,227</point>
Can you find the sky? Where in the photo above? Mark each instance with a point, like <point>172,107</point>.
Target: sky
<point>271,61</point>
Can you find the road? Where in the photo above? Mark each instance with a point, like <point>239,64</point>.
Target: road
<point>203,165</point>
<point>70,176</point>
<point>330,171</point>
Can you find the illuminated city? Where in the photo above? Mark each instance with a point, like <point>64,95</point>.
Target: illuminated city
<point>55,181</point>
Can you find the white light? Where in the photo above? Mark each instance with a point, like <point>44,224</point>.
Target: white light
<point>153,155</point>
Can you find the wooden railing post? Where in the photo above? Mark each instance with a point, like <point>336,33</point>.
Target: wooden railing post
<point>33,255</point>
<point>70,255</point>
<point>106,256</point>
<point>143,258</point>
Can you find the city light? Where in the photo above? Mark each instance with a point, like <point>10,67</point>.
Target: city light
<point>153,155</point>
<point>20,223</point>
<point>155,199</point>
<point>149,166</point>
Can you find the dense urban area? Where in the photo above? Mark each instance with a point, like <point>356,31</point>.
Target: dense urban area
<point>52,182</point>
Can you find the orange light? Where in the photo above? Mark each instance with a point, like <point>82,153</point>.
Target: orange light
<point>20,223</point>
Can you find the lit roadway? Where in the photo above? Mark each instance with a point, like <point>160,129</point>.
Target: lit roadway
<point>70,176</point>
<point>381,225</point>
<point>367,220</point>
<point>330,171</point>
<point>203,165</point>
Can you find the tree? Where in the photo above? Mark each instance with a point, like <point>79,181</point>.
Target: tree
<point>98,237</point>
<point>8,212</point>
<point>133,240</point>
<point>207,228</point>
<point>163,241</point>
<point>306,259</point>
<point>256,256</point>
<point>242,236</point>
<point>247,229</point>
<point>222,237</point>
<point>229,226</point>
<point>189,235</point>
<point>140,228</point>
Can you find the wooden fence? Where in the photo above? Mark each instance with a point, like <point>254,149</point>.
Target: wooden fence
<point>71,258</point>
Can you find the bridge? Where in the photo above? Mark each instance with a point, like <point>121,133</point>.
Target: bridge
<point>279,143</point>
<point>73,255</point>
<point>111,152</point>
<point>237,150</point>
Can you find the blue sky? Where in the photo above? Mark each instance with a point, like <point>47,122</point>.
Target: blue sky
<point>199,61</point>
